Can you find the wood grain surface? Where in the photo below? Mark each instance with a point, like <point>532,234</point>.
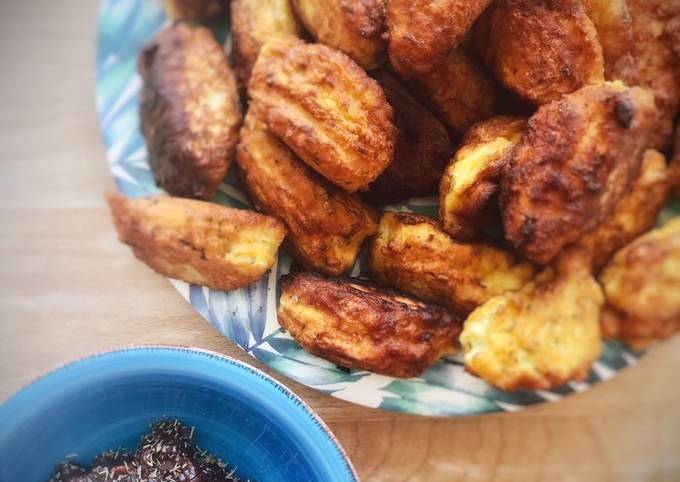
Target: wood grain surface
<point>68,289</point>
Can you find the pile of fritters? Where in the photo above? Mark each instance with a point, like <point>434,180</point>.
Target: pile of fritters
<point>543,126</point>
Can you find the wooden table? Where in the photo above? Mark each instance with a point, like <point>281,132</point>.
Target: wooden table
<point>68,289</point>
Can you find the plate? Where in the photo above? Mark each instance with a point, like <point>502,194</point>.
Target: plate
<point>248,316</point>
<point>107,401</point>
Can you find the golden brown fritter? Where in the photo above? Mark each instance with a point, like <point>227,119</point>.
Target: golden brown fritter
<point>540,337</point>
<point>672,34</point>
<point>413,254</point>
<point>194,10</point>
<point>326,226</point>
<point>459,90</point>
<point>422,150</point>
<point>614,27</point>
<point>356,325</point>
<point>675,165</point>
<point>189,111</point>
<point>642,287</point>
<point>576,160</point>
<point>326,109</point>
<point>634,214</point>
<point>468,194</point>
<point>540,49</point>
<point>654,29</point>
<point>198,242</point>
<point>354,26</point>
<point>253,23</point>
<point>422,32</point>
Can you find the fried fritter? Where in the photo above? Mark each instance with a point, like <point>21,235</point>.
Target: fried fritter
<point>194,10</point>
<point>540,49</point>
<point>642,287</point>
<point>198,242</point>
<point>672,31</point>
<point>326,226</point>
<point>189,111</point>
<point>326,109</point>
<point>253,23</point>
<point>422,31</point>
<point>675,165</point>
<point>459,90</point>
<point>413,254</point>
<point>422,150</point>
<point>654,24</point>
<point>354,26</point>
<point>614,27</point>
<point>469,188</point>
<point>577,159</point>
<point>634,214</point>
<point>356,325</point>
<point>540,337</point>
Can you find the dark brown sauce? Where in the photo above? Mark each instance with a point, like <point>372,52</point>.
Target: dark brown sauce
<point>167,454</point>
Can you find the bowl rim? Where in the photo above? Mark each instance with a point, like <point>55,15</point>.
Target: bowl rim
<point>6,405</point>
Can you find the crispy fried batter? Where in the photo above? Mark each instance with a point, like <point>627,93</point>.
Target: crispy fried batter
<point>577,159</point>
<point>326,109</point>
<point>672,34</point>
<point>353,26</point>
<point>253,23</point>
<point>675,165</point>
<point>422,151</point>
<point>413,254</point>
<point>540,49</point>
<point>654,29</point>
<point>614,27</point>
<point>459,90</point>
<point>468,192</point>
<point>423,31</point>
<point>635,213</point>
<point>198,242</point>
<point>189,111</point>
<point>356,325</point>
<point>194,10</point>
<point>642,287</point>
<point>540,337</point>
<point>326,226</point>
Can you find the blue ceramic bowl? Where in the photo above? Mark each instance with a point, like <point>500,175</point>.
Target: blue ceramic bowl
<point>108,401</point>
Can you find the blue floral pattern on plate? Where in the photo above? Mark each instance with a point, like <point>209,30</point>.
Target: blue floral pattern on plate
<point>248,316</point>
